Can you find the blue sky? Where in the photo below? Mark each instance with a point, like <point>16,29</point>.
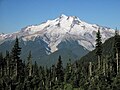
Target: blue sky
<point>16,14</point>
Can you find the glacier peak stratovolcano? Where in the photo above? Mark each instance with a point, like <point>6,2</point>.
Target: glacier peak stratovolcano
<point>63,28</point>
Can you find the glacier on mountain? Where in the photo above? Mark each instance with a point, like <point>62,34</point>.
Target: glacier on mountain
<point>63,28</point>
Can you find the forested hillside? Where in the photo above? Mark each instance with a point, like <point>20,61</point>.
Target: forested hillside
<point>107,48</point>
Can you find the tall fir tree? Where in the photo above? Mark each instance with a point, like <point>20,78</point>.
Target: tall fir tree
<point>16,50</point>
<point>15,55</point>
<point>7,58</point>
<point>35,69</point>
<point>98,47</point>
<point>29,64</point>
<point>59,71</point>
<point>68,72</point>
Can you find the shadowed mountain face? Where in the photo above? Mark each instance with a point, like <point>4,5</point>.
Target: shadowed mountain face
<point>68,50</point>
<point>67,36</point>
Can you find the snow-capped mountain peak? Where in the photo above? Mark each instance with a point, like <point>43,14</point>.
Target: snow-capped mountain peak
<point>63,16</point>
<point>63,28</point>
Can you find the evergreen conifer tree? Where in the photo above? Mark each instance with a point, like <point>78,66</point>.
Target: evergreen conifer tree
<point>15,55</point>
<point>35,69</point>
<point>59,71</point>
<point>7,58</point>
<point>29,64</point>
<point>98,47</point>
<point>68,72</point>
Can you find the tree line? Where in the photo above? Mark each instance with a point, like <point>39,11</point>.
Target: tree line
<point>16,74</point>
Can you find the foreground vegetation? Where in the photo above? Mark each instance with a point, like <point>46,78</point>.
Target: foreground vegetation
<point>103,74</point>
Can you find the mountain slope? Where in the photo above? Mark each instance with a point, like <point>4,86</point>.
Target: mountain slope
<point>67,36</point>
<point>108,48</point>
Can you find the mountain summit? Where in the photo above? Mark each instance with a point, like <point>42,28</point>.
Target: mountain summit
<point>67,33</point>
